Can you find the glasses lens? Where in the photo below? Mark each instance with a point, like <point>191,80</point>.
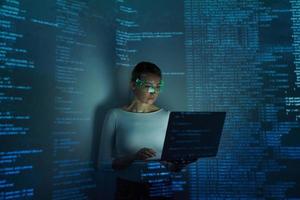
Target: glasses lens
<point>148,86</point>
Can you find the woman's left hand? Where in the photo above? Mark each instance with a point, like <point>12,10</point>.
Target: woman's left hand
<point>178,165</point>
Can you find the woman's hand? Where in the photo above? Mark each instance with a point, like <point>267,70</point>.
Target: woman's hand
<point>144,154</point>
<point>173,166</point>
<point>125,161</point>
<point>178,165</point>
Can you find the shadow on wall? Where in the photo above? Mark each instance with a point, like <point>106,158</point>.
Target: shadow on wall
<point>105,180</point>
<point>117,98</point>
<point>120,95</point>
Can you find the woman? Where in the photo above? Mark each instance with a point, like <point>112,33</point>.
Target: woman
<point>133,135</point>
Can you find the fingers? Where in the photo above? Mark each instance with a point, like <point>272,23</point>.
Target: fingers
<point>149,153</point>
<point>178,165</point>
<point>145,153</point>
<point>168,165</point>
<point>152,152</point>
<point>184,162</point>
<point>175,167</point>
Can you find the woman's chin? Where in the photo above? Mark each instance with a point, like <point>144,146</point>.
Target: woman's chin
<point>150,101</point>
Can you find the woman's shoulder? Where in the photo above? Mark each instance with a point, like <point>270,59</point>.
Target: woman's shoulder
<point>116,111</point>
<point>125,108</point>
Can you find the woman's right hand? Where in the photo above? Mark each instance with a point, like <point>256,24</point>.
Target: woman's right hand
<point>125,161</point>
<point>144,153</point>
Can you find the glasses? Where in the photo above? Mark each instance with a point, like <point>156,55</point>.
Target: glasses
<point>149,87</point>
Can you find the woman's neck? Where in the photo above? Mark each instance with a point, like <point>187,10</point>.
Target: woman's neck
<point>138,106</point>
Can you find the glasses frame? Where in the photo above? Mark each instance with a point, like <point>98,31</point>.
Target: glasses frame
<point>142,84</point>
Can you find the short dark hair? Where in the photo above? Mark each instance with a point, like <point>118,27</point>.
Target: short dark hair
<point>144,68</point>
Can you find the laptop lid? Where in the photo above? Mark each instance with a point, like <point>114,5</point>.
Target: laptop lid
<point>192,135</point>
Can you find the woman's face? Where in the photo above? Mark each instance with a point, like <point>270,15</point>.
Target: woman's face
<point>142,93</point>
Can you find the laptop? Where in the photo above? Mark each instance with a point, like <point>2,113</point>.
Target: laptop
<point>192,135</point>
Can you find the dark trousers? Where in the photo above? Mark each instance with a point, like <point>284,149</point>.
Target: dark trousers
<point>130,190</point>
